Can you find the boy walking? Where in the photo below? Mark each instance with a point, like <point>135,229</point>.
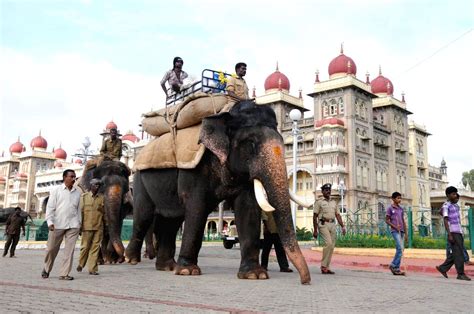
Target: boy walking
<point>394,218</point>
<point>452,224</point>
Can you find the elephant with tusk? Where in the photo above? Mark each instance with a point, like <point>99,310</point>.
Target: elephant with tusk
<point>244,165</point>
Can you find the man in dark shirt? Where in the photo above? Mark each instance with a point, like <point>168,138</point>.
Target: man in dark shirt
<point>12,231</point>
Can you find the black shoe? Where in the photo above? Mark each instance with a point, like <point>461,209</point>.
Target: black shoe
<point>286,270</point>
<point>445,275</point>
<point>464,277</point>
<point>79,268</point>
<point>93,273</point>
<point>66,278</point>
<point>44,274</point>
<point>4,254</point>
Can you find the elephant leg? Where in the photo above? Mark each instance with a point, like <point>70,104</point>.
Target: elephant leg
<point>142,219</point>
<point>149,247</point>
<point>165,232</point>
<point>247,219</point>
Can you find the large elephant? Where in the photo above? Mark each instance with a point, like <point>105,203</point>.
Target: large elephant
<point>243,147</point>
<point>115,185</point>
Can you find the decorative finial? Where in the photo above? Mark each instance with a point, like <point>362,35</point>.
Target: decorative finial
<point>317,76</point>
<point>277,67</point>
<point>253,93</point>
<point>40,132</point>
<point>367,77</point>
<point>301,93</point>
<point>403,97</point>
<point>342,48</point>
<point>279,83</point>
<point>380,70</point>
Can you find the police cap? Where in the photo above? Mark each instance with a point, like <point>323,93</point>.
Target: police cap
<point>326,186</point>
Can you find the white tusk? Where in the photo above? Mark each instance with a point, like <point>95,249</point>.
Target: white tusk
<point>261,196</point>
<point>295,198</point>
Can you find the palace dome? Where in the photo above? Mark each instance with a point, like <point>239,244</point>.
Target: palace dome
<point>381,85</point>
<point>60,153</point>
<point>342,64</point>
<point>277,80</point>
<point>39,142</point>
<point>111,125</point>
<point>130,137</point>
<point>17,147</point>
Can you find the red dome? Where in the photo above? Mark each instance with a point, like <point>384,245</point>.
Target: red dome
<point>111,125</point>
<point>39,142</point>
<point>329,121</point>
<point>130,137</point>
<point>342,64</point>
<point>381,85</point>
<point>60,153</point>
<point>78,161</point>
<point>277,80</point>
<point>17,147</point>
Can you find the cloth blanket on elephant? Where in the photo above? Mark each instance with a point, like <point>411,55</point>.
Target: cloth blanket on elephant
<point>187,113</point>
<point>168,151</point>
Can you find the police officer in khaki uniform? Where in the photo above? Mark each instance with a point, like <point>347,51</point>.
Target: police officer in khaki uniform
<point>324,218</point>
<point>91,205</point>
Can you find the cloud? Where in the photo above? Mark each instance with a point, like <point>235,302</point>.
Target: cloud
<point>69,97</point>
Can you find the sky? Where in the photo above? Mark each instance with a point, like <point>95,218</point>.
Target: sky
<point>67,68</point>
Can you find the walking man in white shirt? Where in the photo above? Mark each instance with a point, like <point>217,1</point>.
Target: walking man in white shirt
<point>64,221</point>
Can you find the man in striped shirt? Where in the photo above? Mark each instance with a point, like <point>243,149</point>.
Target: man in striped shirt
<point>452,224</point>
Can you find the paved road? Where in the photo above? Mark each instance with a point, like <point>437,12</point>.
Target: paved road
<point>140,288</point>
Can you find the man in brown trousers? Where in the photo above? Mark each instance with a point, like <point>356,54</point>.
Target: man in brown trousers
<point>324,220</point>
<point>92,210</point>
<point>15,222</point>
<point>64,222</point>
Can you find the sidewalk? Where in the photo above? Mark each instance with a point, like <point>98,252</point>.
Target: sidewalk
<point>415,260</point>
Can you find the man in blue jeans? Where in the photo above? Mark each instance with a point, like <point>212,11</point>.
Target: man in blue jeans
<point>394,218</point>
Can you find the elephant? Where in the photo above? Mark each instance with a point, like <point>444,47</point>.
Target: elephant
<point>244,152</point>
<point>115,186</point>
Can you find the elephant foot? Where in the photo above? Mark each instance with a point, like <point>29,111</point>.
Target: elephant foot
<point>255,274</point>
<point>190,270</point>
<point>169,265</point>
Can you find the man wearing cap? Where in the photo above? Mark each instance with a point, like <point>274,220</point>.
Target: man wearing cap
<point>324,218</point>
<point>452,224</point>
<point>175,77</point>
<point>112,147</point>
<point>92,209</point>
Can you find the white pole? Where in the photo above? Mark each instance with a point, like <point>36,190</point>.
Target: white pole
<point>295,146</point>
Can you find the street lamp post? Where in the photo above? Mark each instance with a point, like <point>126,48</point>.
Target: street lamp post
<point>342,188</point>
<point>295,116</point>
<point>84,152</point>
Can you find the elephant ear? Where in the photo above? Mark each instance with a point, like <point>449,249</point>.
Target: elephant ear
<point>214,135</point>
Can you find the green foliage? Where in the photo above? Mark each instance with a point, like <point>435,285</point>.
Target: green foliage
<point>468,177</point>
<point>303,234</point>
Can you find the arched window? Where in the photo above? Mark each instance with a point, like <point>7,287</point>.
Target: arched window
<point>333,108</point>
<point>359,173</point>
<point>365,174</point>
<point>325,107</point>
<point>341,105</point>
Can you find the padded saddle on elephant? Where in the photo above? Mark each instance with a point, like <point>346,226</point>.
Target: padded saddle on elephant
<point>178,129</point>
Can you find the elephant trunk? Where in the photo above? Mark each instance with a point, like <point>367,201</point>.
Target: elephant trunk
<point>273,174</point>
<point>113,204</point>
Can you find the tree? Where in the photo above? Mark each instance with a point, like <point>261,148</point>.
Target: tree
<point>468,177</point>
